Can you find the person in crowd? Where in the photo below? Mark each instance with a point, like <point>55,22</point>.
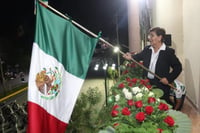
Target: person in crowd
<point>159,59</point>
<point>177,96</point>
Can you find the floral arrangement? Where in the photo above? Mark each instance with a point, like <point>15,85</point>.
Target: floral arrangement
<point>136,107</point>
<point>139,110</point>
<point>133,107</point>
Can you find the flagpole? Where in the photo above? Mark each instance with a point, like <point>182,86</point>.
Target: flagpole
<point>101,39</point>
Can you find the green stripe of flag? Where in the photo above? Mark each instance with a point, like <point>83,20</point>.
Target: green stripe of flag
<point>59,38</point>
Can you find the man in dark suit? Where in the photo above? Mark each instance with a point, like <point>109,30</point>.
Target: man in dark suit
<point>159,59</point>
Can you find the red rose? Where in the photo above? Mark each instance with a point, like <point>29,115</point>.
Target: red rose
<point>142,82</point>
<point>149,110</point>
<point>125,72</point>
<point>126,111</point>
<point>130,84</point>
<point>114,113</point>
<point>116,124</point>
<point>130,102</point>
<point>121,86</point>
<point>128,79</point>
<point>140,116</point>
<point>151,100</point>
<point>146,80</point>
<point>148,86</point>
<point>133,65</point>
<point>129,65</point>
<point>139,104</point>
<point>169,120</point>
<point>160,130</point>
<point>134,80</point>
<point>115,107</point>
<point>163,106</point>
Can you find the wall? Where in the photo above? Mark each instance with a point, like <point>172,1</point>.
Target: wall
<point>181,19</point>
<point>191,47</point>
<point>168,14</point>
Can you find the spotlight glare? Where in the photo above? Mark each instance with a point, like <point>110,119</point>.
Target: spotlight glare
<point>96,68</point>
<point>116,49</point>
<point>105,66</point>
<point>113,67</point>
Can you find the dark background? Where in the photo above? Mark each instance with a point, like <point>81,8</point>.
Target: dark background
<point>17,24</point>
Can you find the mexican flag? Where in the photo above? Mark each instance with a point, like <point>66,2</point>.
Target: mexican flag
<point>44,1</point>
<point>60,59</point>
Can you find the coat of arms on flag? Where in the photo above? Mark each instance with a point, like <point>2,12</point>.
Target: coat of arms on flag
<point>48,82</point>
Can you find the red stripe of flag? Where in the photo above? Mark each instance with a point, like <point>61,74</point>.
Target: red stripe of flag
<point>39,119</point>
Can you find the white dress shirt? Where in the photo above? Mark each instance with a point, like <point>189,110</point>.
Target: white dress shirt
<point>154,58</point>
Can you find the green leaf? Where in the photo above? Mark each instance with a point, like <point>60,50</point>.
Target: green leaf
<point>158,92</point>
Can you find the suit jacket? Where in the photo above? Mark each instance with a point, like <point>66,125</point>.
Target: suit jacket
<point>166,60</point>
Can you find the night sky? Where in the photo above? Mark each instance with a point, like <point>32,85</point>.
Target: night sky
<point>17,22</point>
<point>96,15</point>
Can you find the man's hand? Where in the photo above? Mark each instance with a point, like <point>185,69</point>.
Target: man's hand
<point>127,56</point>
<point>164,81</point>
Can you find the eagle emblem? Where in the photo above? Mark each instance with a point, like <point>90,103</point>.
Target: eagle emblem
<point>48,82</point>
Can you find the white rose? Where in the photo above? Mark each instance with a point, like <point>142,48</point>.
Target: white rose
<point>117,97</point>
<point>128,95</point>
<point>151,94</point>
<point>145,89</point>
<point>139,95</point>
<point>125,90</point>
<point>135,90</point>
